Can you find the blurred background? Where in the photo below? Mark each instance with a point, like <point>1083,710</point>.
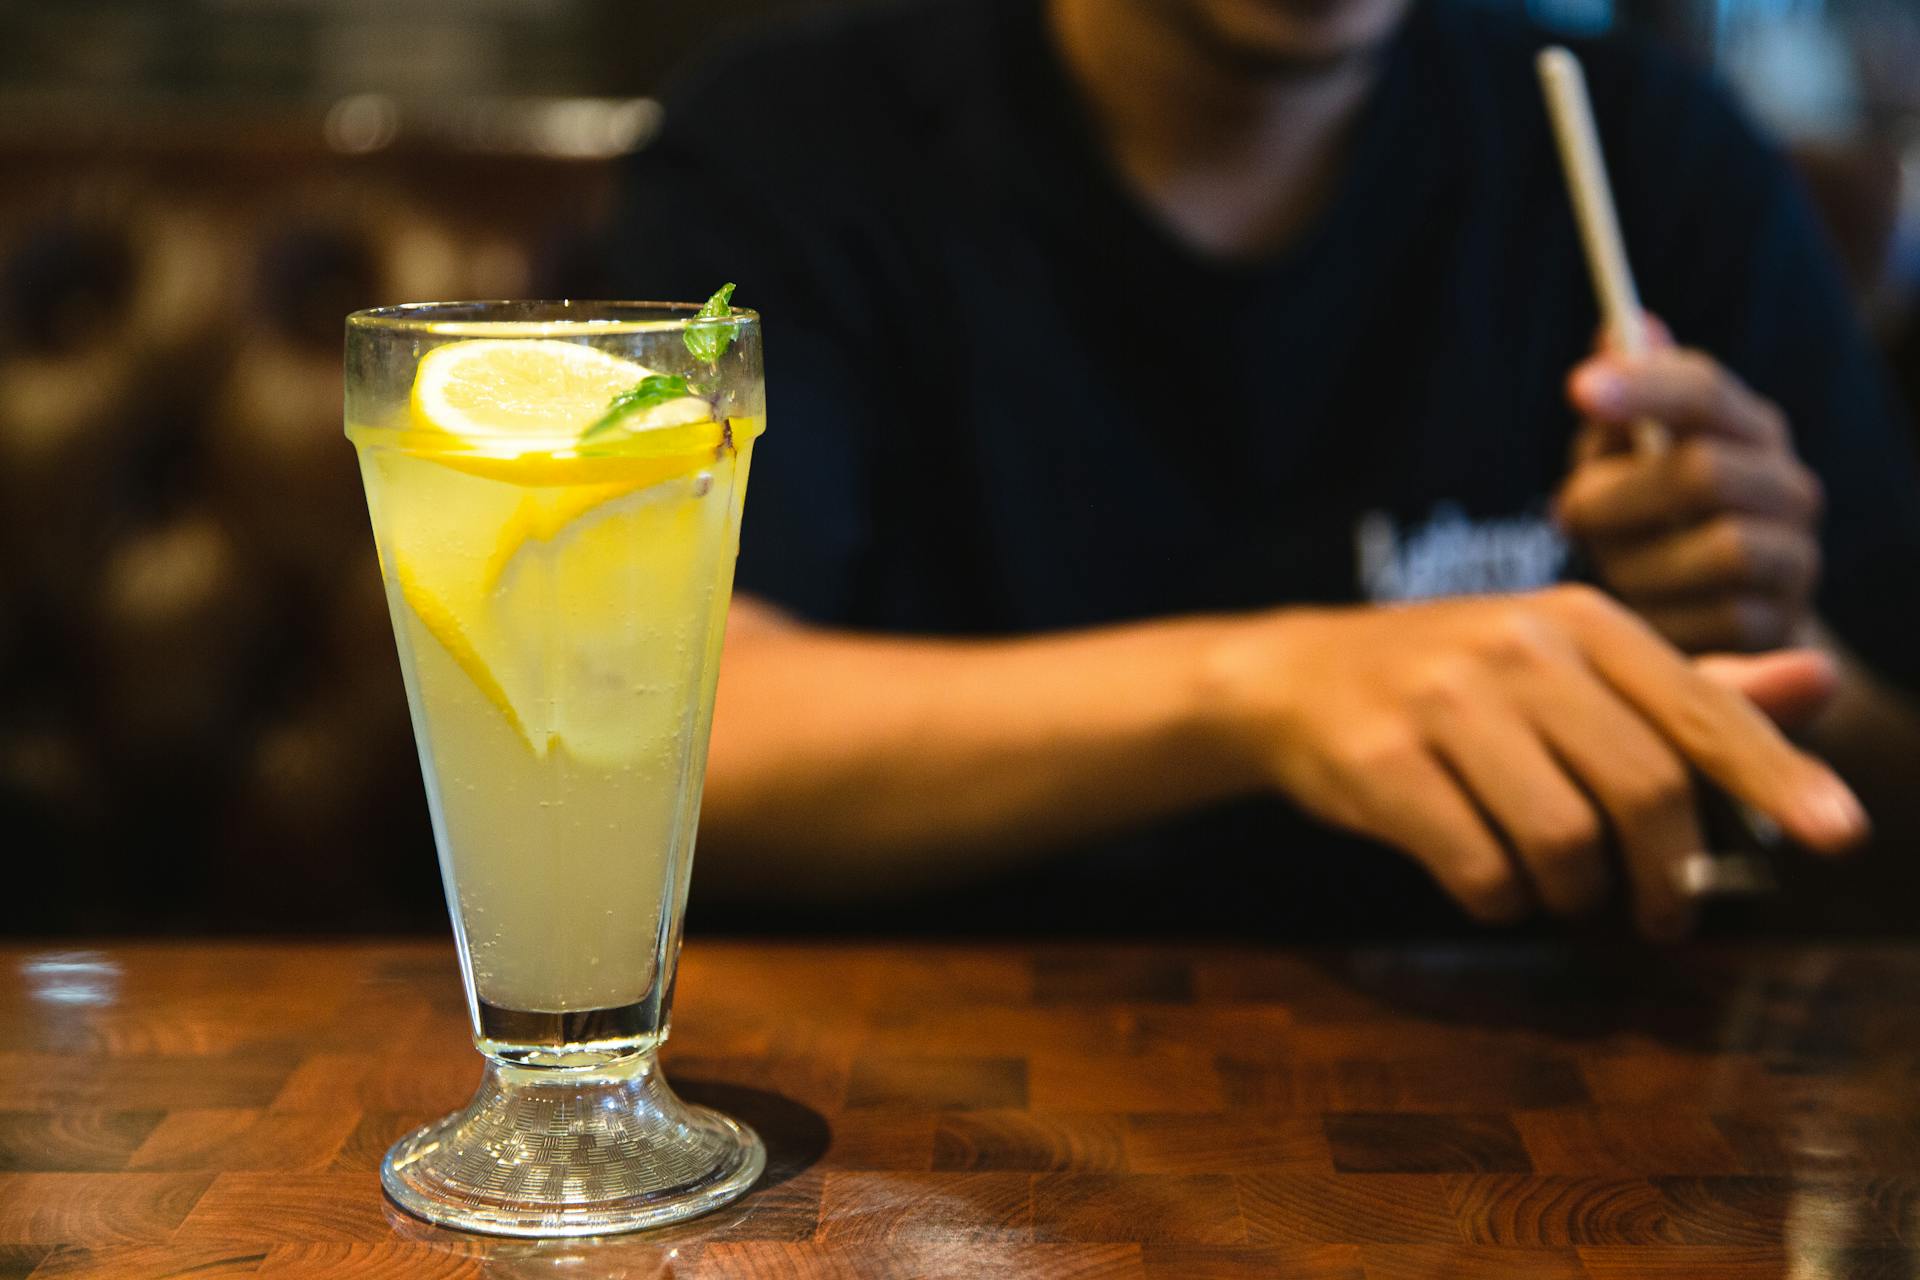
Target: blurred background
<point>201,726</point>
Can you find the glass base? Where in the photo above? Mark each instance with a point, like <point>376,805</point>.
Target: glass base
<point>557,1152</point>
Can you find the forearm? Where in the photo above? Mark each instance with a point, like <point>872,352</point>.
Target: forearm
<point>874,763</point>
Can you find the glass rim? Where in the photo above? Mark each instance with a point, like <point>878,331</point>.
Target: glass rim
<point>542,317</point>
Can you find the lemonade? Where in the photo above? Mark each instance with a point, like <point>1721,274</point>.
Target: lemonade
<point>558,603</point>
<point>556,490</point>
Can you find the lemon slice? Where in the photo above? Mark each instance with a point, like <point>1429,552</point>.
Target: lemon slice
<point>612,684</point>
<point>612,536</point>
<point>529,390</point>
<point>443,624</point>
<point>634,577</point>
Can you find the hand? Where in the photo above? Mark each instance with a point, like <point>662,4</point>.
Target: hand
<point>1713,540</point>
<point>1507,743</point>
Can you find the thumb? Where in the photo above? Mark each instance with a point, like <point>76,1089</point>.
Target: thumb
<point>1790,685</point>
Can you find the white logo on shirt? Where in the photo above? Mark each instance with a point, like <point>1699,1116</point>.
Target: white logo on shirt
<point>1451,555</point>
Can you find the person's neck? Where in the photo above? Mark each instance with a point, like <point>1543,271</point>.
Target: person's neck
<point>1237,162</point>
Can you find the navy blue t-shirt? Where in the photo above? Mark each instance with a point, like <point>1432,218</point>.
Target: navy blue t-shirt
<point>1004,397</point>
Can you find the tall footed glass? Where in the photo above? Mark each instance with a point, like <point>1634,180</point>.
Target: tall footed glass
<point>556,493</point>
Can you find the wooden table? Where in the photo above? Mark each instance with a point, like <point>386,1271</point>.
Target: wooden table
<point>220,1109</point>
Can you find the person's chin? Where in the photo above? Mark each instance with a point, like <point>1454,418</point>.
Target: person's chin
<point>1291,37</point>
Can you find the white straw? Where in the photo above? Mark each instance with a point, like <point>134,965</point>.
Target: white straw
<point>1565,86</point>
<point>1571,110</point>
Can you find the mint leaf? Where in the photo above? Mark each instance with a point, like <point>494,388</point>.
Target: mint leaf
<point>649,391</point>
<point>709,341</point>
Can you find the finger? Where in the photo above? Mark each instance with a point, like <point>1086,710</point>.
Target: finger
<point>1725,555</point>
<point>1599,440</point>
<point>1687,390</point>
<point>1712,727</point>
<point>1791,686</point>
<point>1628,494</point>
<point>1636,778</point>
<point>1738,624</point>
<point>1653,329</point>
<point>1588,443</point>
<point>1426,813</point>
<point>1501,760</point>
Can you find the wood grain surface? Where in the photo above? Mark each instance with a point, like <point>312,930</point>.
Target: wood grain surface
<point>1060,1112</point>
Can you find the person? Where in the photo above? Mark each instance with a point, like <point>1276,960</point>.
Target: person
<point>1193,497</point>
